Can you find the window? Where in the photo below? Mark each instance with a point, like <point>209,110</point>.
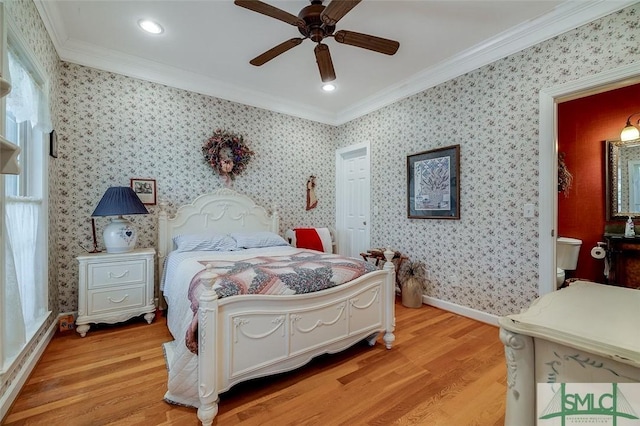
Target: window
<point>24,273</point>
<point>20,134</point>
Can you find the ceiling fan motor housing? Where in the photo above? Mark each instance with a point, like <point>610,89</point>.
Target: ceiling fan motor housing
<point>314,28</point>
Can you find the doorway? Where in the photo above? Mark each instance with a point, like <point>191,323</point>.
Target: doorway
<point>548,163</point>
<point>353,198</point>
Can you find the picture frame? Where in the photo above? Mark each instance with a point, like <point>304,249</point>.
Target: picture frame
<point>433,184</point>
<point>145,189</point>
<point>53,144</point>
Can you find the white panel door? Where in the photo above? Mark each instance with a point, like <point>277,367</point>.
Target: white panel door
<point>353,200</point>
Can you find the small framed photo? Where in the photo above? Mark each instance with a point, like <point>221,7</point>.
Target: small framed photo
<point>53,144</point>
<point>145,189</point>
<point>433,184</point>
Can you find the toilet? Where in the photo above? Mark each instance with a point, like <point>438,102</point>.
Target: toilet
<point>567,250</point>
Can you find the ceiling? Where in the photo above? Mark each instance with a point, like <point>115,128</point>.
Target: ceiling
<point>206,46</point>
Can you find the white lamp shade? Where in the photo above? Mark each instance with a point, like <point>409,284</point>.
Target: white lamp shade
<point>629,133</point>
<point>119,236</point>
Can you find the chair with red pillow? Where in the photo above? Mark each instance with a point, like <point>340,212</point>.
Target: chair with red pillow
<point>320,239</point>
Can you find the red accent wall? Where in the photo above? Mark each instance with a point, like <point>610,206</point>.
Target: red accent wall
<point>583,126</point>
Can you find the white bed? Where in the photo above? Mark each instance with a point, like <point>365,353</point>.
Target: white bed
<point>248,336</point>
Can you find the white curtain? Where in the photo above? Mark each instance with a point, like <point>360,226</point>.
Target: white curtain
<point>27,101</point>
<point>14,336</point>
<point>24,305</point>
<point>23,278</point>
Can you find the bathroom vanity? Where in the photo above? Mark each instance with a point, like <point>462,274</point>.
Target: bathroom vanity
<point>585,333</point>
<point>622,201</point>
<point>624,260</point>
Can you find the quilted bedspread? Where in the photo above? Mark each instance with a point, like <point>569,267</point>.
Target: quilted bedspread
<point>301,272</point>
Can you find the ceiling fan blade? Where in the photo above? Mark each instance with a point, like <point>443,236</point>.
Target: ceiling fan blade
<point>275,51</point>
<point>366,41</point>
<point>325,65</point>
<point>274,12</point>
<point>336,10</point>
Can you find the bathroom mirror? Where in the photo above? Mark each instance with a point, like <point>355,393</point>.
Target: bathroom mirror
<point>623,179</point>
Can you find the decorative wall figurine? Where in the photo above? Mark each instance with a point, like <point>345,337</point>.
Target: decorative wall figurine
<point>312,200</point>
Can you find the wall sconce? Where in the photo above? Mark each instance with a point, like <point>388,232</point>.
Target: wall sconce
<point>119,236</point>
<point>630,132</point>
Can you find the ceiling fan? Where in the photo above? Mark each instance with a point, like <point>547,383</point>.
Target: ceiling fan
<point>317,22</point>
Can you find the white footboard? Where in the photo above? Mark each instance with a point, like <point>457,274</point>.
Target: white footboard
<point>250,336</point>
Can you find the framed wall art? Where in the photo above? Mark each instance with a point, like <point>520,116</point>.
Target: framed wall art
<point>433,184</point>
<point>145,189</point>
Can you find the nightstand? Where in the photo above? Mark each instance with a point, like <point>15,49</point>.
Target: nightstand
<point>114,287</point>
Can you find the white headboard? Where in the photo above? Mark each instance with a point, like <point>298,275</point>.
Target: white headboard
<point>223,211</point>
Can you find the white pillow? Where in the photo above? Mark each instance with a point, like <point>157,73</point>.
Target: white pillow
<point>209,242</point>
<point>258,239</point>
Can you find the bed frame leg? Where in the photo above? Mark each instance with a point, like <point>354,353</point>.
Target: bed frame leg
<point>390,305</point>
<point>388,339</point>
<point>207,414</point>
<point>207,349</point>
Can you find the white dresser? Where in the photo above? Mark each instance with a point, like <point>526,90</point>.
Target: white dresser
<point>585,333</point>
<point>115,287</point>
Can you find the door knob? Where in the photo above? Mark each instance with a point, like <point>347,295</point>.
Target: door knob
<point>364,223</point>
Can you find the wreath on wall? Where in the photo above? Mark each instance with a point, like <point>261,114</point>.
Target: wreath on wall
<point>227,154</point>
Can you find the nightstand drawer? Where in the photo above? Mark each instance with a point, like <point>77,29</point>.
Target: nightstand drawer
<point>117,273</point>
<point>115,299</point>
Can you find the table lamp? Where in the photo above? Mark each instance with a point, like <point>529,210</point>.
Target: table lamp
<point>119,235</point>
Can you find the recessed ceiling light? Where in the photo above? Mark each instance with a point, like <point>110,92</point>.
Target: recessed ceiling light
<point>150,26</point>
<point>328,87</point>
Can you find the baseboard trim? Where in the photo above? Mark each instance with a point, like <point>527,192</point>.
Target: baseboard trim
<point>21,377</point>
<point>461,310</point>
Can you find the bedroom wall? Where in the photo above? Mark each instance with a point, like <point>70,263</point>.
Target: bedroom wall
<point>487,260</point>
<point>114,128</point>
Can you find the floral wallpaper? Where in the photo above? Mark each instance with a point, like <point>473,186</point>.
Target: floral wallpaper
<point>114,128</point>
<point>487,260</point>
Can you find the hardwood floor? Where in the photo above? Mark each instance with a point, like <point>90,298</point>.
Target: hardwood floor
<point>444,369</point>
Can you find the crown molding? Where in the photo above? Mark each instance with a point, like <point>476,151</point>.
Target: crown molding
<point>53,23</point>
<point>132,66</point>
<point>563,18</point>
<point>74,51</point>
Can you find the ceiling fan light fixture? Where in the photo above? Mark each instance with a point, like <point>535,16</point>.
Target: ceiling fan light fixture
<point>328,87</point>
<point>150,26</point>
